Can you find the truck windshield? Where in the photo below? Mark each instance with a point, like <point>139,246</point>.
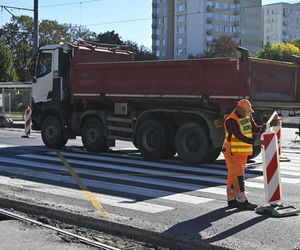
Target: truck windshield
<point>44,65</point>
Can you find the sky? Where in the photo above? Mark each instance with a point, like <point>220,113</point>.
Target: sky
<point>129,18</point>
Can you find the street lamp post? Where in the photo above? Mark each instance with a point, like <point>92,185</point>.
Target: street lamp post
<point>36,28</point>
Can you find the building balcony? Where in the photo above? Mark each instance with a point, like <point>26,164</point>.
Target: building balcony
<point>208,44</point>
<point>210,9</point>
<point>154,5</point>
<point>154,15</point>
<point>236,1</point>
<point>236,12</point>
<point>154,36</point>
<point>209,20</point>
<point>236,23</point>
<point>236,34</point>
<point>154,26</point>
<point>209,32</point>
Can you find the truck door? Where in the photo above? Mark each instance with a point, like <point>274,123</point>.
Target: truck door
<point>46,71</point>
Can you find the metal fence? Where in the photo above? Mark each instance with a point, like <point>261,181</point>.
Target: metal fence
<point>14,98</point>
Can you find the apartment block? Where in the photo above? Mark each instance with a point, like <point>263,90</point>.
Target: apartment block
<point>187,27</point>
<point>281,22</point>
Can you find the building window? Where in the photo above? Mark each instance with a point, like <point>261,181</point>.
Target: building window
<point>209,38</point>
<point>157,53</point>
<point>157,42</point>
<point>163,42</point>
<point>181,18</point>
<point>181,7</point>
<point>210,15</point>
<point>210,3</point>
<point>180,41</point>
<point>180,52</point>
<point>180,29</point>
<point>161,20</point>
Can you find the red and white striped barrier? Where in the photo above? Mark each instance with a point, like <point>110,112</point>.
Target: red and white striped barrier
<point>27,118</point>
<point>277,130</point>
<point>271,167</point>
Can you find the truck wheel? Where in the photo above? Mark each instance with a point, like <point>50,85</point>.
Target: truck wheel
<point>256,152</point>
<point>52,133</point>
<point>192,143</point>
<point>92,135</point>
<point>151,139</point>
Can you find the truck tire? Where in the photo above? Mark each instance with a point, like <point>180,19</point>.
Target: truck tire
<point>192,143</point>
<point>93,136</point>
<point>52,133</point>
<point>151,138</point>
<point>256,152</point>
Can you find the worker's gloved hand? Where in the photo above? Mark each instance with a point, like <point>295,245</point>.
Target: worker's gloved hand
<point>258,142</point>
<point>275,122</point>
<point>262,128</point>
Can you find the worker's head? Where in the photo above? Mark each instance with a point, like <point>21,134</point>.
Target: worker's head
<point>244,108</point>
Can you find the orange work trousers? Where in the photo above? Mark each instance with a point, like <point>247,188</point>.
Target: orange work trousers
<point>235,178</point>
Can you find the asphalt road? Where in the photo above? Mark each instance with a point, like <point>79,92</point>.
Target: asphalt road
<point>166,199</point>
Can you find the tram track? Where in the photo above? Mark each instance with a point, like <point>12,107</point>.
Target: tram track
<point>4,214</point>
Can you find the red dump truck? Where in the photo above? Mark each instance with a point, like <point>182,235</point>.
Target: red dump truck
<point>164,107</point>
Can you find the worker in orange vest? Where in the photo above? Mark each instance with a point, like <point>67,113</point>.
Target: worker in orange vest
<point>240,131</point>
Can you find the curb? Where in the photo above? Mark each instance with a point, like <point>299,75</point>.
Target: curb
<point>113,228</point>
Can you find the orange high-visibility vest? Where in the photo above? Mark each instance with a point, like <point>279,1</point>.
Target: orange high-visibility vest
<point>234,144</point>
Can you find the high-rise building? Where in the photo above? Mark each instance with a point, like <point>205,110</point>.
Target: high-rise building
<point>186,27</point>
<point>281,22</point>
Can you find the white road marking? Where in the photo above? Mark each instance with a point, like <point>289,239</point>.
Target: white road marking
<point>110,200</point>
<point>115,187</point>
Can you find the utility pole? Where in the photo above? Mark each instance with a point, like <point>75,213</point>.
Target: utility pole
<point>35,27</point>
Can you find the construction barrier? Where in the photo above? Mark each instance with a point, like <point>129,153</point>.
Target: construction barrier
<point>271,167</point>
<point>27,123</point>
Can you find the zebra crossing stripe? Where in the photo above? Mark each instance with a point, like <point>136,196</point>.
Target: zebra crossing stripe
<point>115,201</point>
<point>116,187</point>
<point>147,172</point>
<point>143,172</point>
<point>185,168</point>
<point>97,205</point>
<point>8,146</point>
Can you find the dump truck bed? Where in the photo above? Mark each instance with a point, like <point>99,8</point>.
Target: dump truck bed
<point>184,78</point>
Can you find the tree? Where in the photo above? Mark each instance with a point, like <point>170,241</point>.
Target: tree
<point>223,46</point>
<point>7,70</point>
<point>109,37</point>
<point>141,53</point>
<point>17,36</point>
<point>279,52</point>
<point>79,32</point>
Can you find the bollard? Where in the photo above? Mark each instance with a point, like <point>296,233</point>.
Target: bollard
<point>271,170</point>
<point>27,123</point>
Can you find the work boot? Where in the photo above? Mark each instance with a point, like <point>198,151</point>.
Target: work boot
<point>246,205</point>
<point>233,204</point>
